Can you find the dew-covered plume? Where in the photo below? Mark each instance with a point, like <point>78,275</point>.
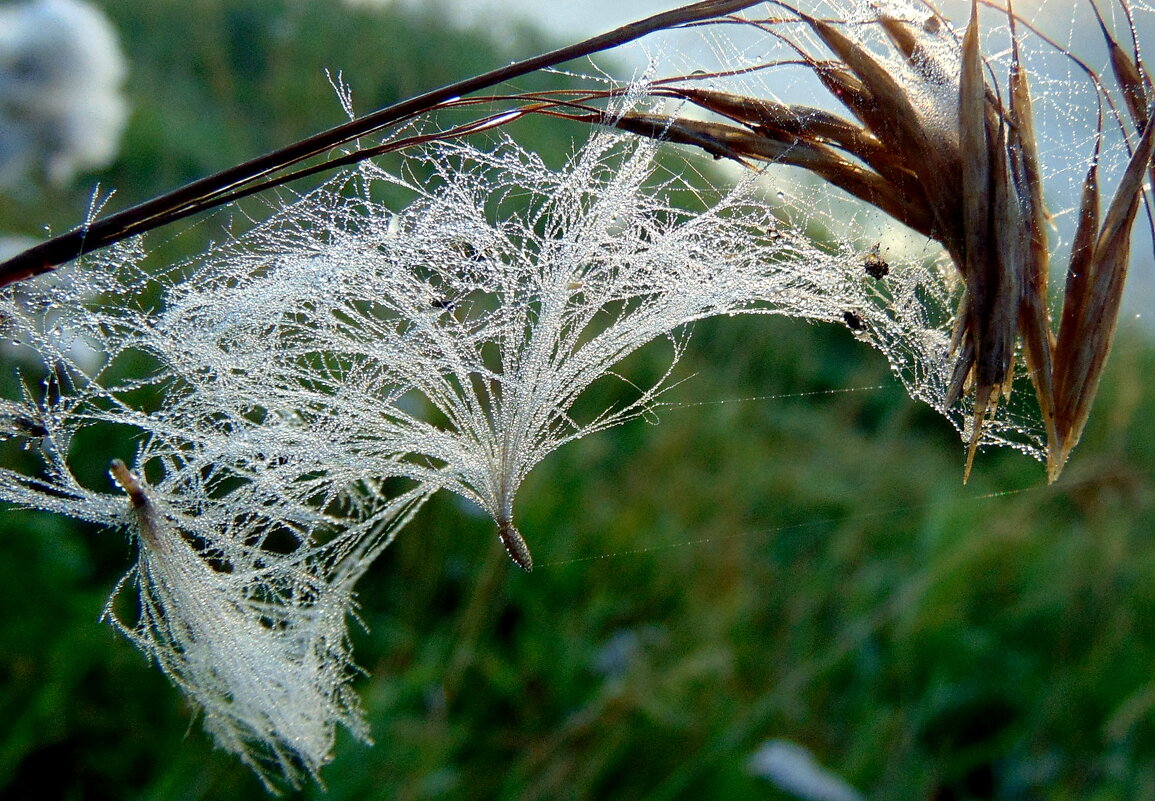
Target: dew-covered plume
<point>285,400</point>
<point>445,341</point>
<point>449,341</point>
<point>275,409</point>
<point>246,553</point>
<point>256,639</point>
<point>242,588</point>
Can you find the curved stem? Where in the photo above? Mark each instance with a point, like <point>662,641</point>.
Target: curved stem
<point>214,190</point>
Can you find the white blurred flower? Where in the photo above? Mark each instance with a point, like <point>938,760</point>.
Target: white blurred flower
<point>10,245</point>
<point>61,107</point>
<point>794,770</point>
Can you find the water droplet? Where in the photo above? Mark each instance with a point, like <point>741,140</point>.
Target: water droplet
<point>780,195</point>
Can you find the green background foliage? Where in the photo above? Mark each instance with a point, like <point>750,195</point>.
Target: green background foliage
<point>805,566</point>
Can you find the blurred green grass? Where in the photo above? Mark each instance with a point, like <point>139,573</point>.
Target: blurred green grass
<point>807,566</point>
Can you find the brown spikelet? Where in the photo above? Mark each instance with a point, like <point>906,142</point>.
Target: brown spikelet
<point>794,125</point>
<point>1033,255</point>
<point>976,169</point>
<point>977,267</point>
<point>964,350</point>
<point>917,57</point>
<point>899,33</point>
<point>1086,343</point>
<point>889,115</point>
<point>843,84</point>
<point>1004,259</point>
<point>777,120</point>
<point>1079,274</point>
<point>728,141</point>
<point>1132,81</point>
<point>708,136</point>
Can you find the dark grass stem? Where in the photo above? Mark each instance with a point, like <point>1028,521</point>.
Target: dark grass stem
<point>262,173</point>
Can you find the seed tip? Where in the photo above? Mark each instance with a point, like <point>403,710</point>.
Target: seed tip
<point>128,481</point>
<point>515,545</point>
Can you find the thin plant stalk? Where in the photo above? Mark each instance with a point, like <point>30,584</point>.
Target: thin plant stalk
<point>262,173</point>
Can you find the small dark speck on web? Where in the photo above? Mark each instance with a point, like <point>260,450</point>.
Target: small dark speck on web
<point>854,321</point>
<point>875,266</point>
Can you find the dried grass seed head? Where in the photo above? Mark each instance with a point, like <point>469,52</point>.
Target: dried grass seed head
<point>916,134</point>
